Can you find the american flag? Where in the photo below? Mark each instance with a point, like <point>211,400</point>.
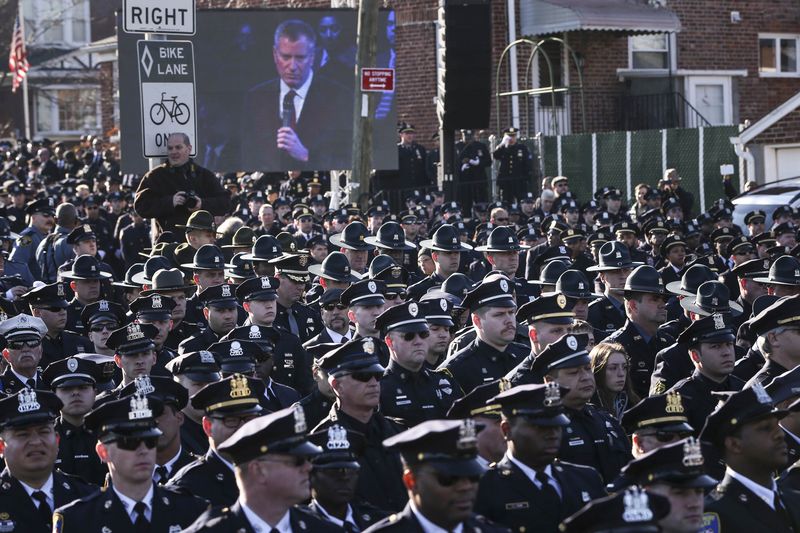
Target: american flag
<point>18,58</point>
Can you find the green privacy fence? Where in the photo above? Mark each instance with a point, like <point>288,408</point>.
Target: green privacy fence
<point>624,159</point>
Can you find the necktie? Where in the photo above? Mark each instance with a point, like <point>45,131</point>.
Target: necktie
<point>344,340</point>
<point>780,509</point>
<point>31,383</point>
<point>161,470</point>
<point>292,322</point>
<point>274,530</point>
<point>349,527</point>
<point>141,525</point>
<point>289,113</point>
<point>548,494</point>
<point>43,508</point>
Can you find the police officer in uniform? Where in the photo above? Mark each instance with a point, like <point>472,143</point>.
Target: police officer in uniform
<point>645,304</point>
<point>270,458</point>
<point>85,279</point>
<point>41,213</point>
<point>440,463</point>
<point>220,311</point>
<point>47,302</point>
<point>30,486</point>
<point>334,476</point>
<point>291,314</point>
<point>631,509</point>
<point>516,163</point>
<point>493,353</point>
<point>532,423</point>
<point>23,340</point>
<point>710,342</point>
<point>227,405</point>
<point>74,381</point>
<point>411,157</point>
<point>131,501</point>
<point>156,310</point>
<point>171,283</point>
<point>745,429</point>
<point>208,268</point>
<point>502,251</point>
<point>446,251</point>
<point>774,326</point>
<point>411,392</point>
<point>614,265</point>
<point>593,437</point>
<point>354,373</point>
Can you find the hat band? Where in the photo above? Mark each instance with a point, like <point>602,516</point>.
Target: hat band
<point>295,272</point>
<point>72,376</point>
<point>438,317</point>
<point>552,315</point>
<point>231,403</point>
<point>405,322</point>
<point>651,421</point>
<point>359,298</point>
<point>567,358</point>
<point>504,296</point>
<point>787,320</point>
<point>493,409</point>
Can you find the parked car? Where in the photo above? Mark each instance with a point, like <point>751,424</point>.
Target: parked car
<point>767,198</point>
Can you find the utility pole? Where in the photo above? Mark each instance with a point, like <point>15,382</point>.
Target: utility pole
<point>364,103</point>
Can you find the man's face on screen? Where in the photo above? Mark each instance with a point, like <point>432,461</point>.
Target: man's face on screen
<point>293,60</point>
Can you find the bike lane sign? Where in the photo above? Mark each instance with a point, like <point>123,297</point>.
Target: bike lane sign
<point>167,95</point>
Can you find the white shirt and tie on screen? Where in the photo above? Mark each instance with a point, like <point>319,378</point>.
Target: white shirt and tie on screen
<point>293,59</point>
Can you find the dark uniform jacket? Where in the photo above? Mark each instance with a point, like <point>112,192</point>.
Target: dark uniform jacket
<point>364,514</point>
<point>411,162</point>
<point>732,508</point>
<point>76,453</point>
<point>66,344</point>
<point>155,192</point>
<point>413,397</point>
<point>605,317</point>
<point>184,458</point>
<point>507,495</point>
<point>182,331</point>
<point>316,407</point>
<point>209,478</point>
<point>104,511</point>
<point>194,312</point>
<point>642,354</point>
<point>74,322</point>
<point>133,240</point>
<point>480,363</point>
<point>279,396</point>
<point>309,322</point>
<point>19,513</point>
<point>595,438</point>
<point>419,288</point>
<point>379,481</point>
<point>198,342</point>
<point>697,398</point>
<point>768,372</point>
<point>515,161</point>
<point>10,383</point>
<point>232,519</point>
<point>193,438</point>
<point>406,522</point>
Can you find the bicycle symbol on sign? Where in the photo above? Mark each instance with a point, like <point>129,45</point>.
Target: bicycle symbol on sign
<point>169,107</point>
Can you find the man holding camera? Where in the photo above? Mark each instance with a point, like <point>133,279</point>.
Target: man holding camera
<point>171,192</point>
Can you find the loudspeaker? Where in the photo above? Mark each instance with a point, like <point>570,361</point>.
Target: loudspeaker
<point>468,63</point>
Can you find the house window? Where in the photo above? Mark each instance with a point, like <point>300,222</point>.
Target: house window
<point>51,23</point>
<point>650,52</point>
<point>67,110</point>
<point>777,55</point>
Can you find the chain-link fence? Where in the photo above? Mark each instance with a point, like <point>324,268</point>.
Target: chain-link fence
<point>625,159</point>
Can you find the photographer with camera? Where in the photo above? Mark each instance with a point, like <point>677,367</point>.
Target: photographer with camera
<point>171,192</point>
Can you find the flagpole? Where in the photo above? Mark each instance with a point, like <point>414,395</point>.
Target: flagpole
<point>25,79</point>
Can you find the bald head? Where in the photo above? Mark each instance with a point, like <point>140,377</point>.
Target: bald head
<point>66,215</point>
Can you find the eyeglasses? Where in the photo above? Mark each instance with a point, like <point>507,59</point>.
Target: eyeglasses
<point>100,327</point>
<point>233,422</point>
<point>331,307</point>
<point>132,443</point>
<point>408,336</point>
<point>447,480</point>
<point>364,377</point>
<point>18,345</point>
<point>296,461</point>
<point>396,296</point>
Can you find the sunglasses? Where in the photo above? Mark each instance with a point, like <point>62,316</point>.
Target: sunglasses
<point>331,307</point>
<point>408,336</point>
<point>132,443</point>
<point>396,296</point>
<point>100,327</point>
<point>447,480</point>
<point>670,436</point>
<point>18,345</point>
<point>364,377</point>
<point>233,422</point>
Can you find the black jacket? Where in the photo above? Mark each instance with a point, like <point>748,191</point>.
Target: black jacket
<point>480,363</point>
<point>232,519</point>
<point>735,509</point>
<point>406,522</point>
<point>507,496</point>
<point>209,478</point>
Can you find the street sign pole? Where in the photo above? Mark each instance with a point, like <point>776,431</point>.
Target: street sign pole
<point>153,162</point>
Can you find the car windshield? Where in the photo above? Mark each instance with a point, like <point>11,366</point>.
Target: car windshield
<point>741,209</point>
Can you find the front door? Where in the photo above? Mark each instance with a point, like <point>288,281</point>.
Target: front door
<point>711,98</point>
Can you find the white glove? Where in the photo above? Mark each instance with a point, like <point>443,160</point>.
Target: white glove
<point>464,167</point>
<point>101,253</point>
<point>506,140</point>
<point>475,161</point>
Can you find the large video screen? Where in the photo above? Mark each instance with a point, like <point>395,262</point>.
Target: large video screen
<point>275,91</point>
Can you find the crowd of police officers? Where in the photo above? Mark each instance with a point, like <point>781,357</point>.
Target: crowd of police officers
<point>193,352</point>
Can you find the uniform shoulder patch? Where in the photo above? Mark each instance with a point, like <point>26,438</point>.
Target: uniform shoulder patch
<point>24,240</point>
<point>711,523</point>
<point>660,387</point>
